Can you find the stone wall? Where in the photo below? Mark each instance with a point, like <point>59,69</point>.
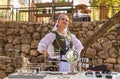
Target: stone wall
<point>22,38</point>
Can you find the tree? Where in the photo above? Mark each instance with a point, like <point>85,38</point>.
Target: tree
<point>104,28</point>
<point>106,2</point>
<point>107,7</point>
<point>3,2</point>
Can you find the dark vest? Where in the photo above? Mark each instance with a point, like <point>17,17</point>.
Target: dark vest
<point>62,42</point>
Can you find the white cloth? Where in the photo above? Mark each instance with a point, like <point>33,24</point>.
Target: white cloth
<point>46,44</point>
<point>79,15</point>
<point>56,24</point>
<point>64,66</point>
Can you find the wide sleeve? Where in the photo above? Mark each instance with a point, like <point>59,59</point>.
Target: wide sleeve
<point>46,41</point>
<point>77,45</point>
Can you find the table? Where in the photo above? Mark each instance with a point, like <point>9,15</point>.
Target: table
<point>80,75</point>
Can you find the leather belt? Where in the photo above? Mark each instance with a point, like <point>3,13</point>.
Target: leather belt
<point>64,60</point>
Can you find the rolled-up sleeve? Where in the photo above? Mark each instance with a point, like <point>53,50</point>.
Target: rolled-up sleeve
<point>46,41</point>
<point>77,43</point>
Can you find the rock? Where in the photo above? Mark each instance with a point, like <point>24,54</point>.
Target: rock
<point>17,62</point>
<point>96,62</point>
<point>107,44</point>
<point>30,29</point>
<point>109,66</point>
<point>10,31</point>
<point>2,66</point>
<point>8,46</point>
<point>110,60</point>
<point>25,48</point>
<point>3,30</point>
<point>38,29</point>
<point>118,60</point>
<point>113,52</point>
<point>1,50</point>
<point>10,39</point>
<point>103,39</point>
<point>23,31</point>
<point>26,38</point>
<point>103,54</point>
<point>34,44</point>
<point>36,36</point>
<point>40,59</point>
<point>89,33</point>
<point>9,69</point>
<point>97,46</point>
<point>34,60</point>
<point>90,53</point>
<point>45,29</point>
<point>17,40</point>
<point>33,52</point>
<point>117,67</point>
<point>111,37</point>
<point>2,74</point>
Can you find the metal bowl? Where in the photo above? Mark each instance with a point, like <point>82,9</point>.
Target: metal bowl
<point>72,56</point>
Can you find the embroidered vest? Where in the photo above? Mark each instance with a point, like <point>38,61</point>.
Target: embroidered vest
<point>60,42</point>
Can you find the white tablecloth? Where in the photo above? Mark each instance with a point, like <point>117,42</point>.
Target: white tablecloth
<point>80,75</point>
<point>68,76</point>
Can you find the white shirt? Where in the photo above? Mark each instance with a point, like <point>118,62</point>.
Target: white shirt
<point>46,43</point>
